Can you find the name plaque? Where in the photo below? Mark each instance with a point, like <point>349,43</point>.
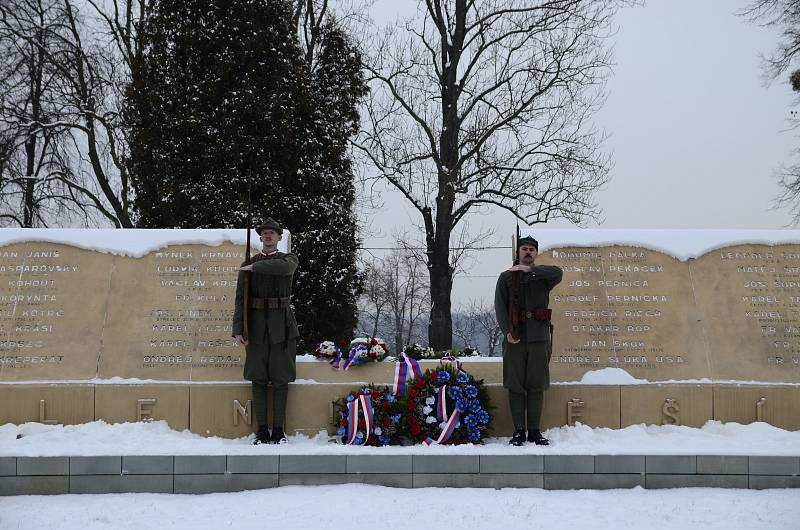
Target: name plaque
<point>171,316</point>
<point>624,307</point>
<point>750,298</point>
<point>52,307</point>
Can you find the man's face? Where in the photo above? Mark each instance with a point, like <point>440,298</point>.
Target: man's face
<point>270,237</point>
<point>526,254</point>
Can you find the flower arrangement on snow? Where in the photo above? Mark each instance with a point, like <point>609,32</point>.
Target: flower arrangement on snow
<point>442,406</point>
<point>415,351</point>
<point>361,351</point>
<point>327,350</point>
<point>368,416</point>
<point>445,406</point>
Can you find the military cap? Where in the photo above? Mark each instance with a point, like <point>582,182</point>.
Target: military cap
<point>527,240</point>
<point>270,223</point>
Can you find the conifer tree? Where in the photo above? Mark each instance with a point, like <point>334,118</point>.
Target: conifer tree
<point>225,101</point>
<point>328,244</point>
<point>214,108</point>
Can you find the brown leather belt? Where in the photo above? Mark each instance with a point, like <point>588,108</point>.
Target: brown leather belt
<point>537,314</point>
<point>270,303</point>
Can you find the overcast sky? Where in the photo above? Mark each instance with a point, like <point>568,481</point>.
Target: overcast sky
<point>695,134</point>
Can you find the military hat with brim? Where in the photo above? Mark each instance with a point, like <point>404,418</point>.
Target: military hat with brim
<point>271,224</point>
<point>527,240</point>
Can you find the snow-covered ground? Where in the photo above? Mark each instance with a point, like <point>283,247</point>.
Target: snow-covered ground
<point>359,506</point>
<point>156,438</point>
<point>363,506</point>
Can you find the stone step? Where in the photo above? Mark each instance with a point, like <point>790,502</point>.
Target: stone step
<point>227,473</point>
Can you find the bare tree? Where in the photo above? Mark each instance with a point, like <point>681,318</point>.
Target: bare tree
<point>485,316</point>
<point>785,16</point>
<point>396,299</point>
<point>313,17</point>
<point>87,69</point>
<point>488,104</point>
<point>465,329</point>
<point>476,326</point>
<point>372,306</point>
<point>32,151</point>
<point>407,293</point>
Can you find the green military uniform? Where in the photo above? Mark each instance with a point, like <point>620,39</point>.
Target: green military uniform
<point>272,332</point>
<point>526,370</point>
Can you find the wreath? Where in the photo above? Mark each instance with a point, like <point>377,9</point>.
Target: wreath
<point>445,406</point>
<point>361,351</point>
<point>368,416</point>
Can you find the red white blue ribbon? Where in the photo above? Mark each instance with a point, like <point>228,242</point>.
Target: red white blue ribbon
<point>441,415</point>
<point>364,402</point>
<point>337,357</point>
<point>441,404</point>
<point>400,374</point>
<point>448,358</point>
<point>403,369</point>
<point>447,431</point>
<point>342,362</point>
<point>351,359</point>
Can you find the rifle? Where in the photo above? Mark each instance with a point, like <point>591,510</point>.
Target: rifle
<point>513,296</point>
<point>247,274</point>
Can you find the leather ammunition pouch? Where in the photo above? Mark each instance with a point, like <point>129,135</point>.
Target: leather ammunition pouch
<point>542,314</point>
<point>270,303</point>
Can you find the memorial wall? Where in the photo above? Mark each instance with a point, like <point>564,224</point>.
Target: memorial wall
<point>70,317</point>
<point>731,314</point>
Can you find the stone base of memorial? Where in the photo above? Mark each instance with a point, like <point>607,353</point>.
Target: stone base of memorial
<point>225,409</point>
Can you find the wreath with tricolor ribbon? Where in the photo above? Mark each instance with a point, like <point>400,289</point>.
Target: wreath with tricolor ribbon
<point>368,416</point>
<point>442,406</point>
<point>445,406</point>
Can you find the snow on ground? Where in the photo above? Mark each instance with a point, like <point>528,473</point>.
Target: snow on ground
<point>363,506</point>
<point>156,438</point>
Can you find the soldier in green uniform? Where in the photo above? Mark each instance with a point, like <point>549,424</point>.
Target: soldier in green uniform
<point>272,329</point>
<point>522,295</point>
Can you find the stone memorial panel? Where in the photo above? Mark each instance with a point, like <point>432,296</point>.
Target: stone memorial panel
<point>749,297</point>
<point>594,405</point>
<point>776,405</point>
<point>130,403</point>
<point>52,310</point>
<point>624,307</point>
<point>170,315</point>
<point>65,404</point>
<point>673,404</point>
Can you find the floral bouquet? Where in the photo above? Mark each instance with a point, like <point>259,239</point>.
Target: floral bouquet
<point>470,352</point>
<point>445,406</point>
<point>415,351</point>
<point>327,350</point>
<point>369,416</point>
<point>363,351</point>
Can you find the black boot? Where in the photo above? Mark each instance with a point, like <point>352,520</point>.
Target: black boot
<point>534,436</point>
<point>262,436</point>
<point>518,438</point>
<point>278,437</point>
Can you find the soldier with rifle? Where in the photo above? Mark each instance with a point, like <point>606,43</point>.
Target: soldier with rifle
<point>521,304</point>
<point>264,324</point>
